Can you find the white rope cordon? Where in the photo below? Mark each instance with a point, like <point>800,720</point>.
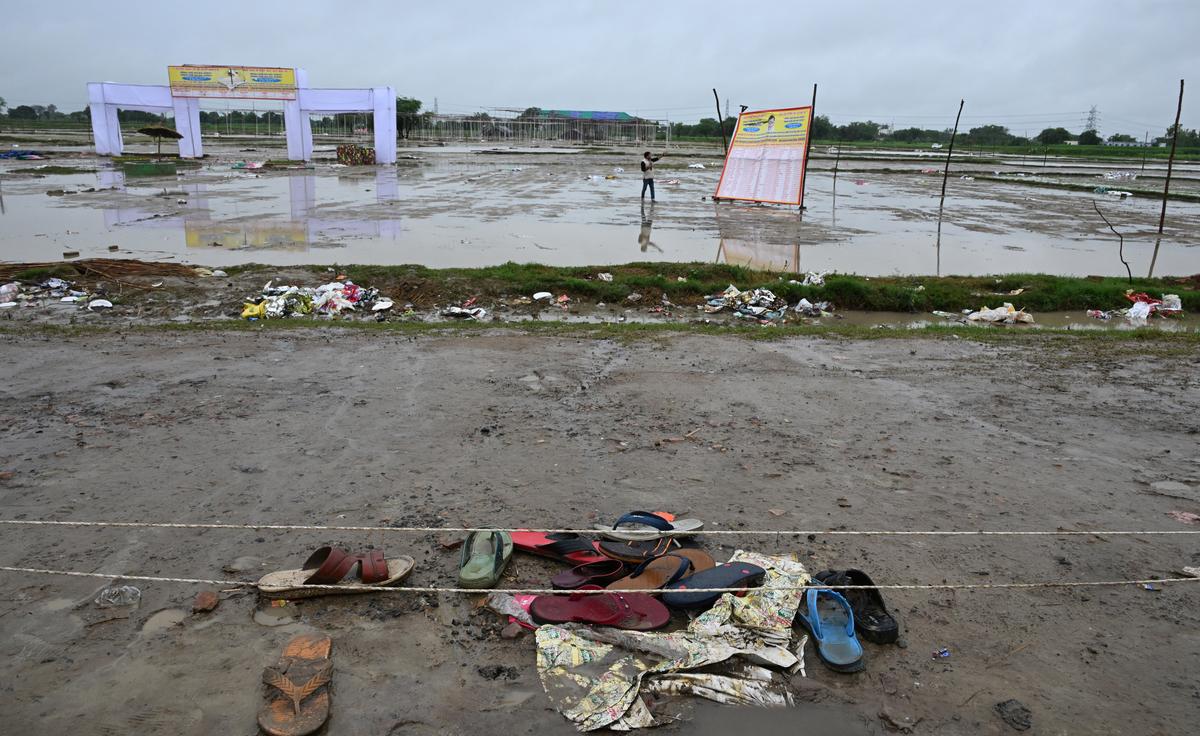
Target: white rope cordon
<point>731,532</point>
<point>554,591</point>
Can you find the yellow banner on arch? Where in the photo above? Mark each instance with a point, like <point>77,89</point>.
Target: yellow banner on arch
<point>237,82</point>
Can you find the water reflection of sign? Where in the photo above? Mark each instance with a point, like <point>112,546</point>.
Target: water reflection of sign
<point>759,240</point>
<point>765,162</point>
<point>247,82</point>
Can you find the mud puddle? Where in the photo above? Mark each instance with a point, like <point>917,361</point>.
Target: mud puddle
<point>448,208</point>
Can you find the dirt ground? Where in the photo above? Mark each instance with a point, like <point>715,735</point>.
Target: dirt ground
<point>332,427</point>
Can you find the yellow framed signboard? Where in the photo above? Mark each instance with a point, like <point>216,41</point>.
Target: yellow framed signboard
<point>238,82</point>
<point>766,156</point>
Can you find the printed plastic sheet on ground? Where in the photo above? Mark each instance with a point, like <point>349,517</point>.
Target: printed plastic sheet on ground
<point>594,675</point>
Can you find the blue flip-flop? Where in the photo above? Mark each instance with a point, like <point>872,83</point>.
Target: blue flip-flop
<point>829,619</point>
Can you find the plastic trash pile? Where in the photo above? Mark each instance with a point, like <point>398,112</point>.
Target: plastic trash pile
<point>757,303</point>
<point>15,294</point>
<point>761,304</point>
<point>812,278</point>
<point>1120,176</point>
<point>333,298</point>
<point>1144,306</point>
<point>352,155</point>
<point>1006,315</point>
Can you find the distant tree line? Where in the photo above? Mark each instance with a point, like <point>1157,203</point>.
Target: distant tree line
<point>409,117</point>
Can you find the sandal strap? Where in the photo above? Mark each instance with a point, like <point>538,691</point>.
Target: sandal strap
<point>567,545</point>
<point>294,692</point>
<point>374,567</point>
<point>329,565</point>
<point>645,518</point>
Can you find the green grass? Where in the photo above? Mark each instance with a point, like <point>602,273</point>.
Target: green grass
<point>652,280</point>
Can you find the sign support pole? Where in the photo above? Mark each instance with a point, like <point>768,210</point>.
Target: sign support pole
<point>812,116</point>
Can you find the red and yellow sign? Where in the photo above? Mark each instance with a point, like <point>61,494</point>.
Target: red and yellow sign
<point>239,82</point>
<point>766,157</point>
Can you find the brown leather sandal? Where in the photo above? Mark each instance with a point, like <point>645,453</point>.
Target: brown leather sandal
<point>334,566</point>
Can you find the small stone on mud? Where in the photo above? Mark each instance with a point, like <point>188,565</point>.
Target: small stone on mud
<point>513,631</point>
<point>205,601</point>
<point>1015,714</point>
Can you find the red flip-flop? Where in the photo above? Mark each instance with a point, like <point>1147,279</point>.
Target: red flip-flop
<point>634,611</point>
<point>570,548</point>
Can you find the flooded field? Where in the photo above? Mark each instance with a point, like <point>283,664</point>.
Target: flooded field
<point>463,206</point>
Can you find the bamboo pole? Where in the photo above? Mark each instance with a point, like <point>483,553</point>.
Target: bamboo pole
<point>721,122</point>
<point>812,115</point>
<point>1162,216</point>
<point>945,176</point>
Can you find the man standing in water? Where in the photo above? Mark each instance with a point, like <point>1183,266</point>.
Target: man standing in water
<point>648,173</point>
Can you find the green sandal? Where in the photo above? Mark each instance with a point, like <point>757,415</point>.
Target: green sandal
<point>484,557</point>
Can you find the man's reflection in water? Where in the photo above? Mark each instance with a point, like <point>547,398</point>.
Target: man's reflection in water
<point>647,222</point>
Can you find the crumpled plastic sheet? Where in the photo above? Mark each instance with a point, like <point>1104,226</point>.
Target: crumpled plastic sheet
<point>1007,314</point>
<point>476,313</point>
<point>809,309</point>
<point>593,674</point>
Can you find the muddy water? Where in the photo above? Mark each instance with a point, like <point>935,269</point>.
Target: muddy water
<point>453,207</point>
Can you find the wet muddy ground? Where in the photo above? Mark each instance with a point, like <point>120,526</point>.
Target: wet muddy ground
<point>332,427</point>
<point>463,206</point>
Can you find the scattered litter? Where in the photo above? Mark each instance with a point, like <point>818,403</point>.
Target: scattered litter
<point>604,276</point>
<point>99,304</point>
<point>964,177</point>
<point>476,313</point>
<point>295,301</point>
<point>860,182</point>
<point>1015,714</point>
<point>756,303</point>
<point>671,181</point>
<point>942,653</point>
<point>1192,572</point>
<point>542,295</point>
<point>1100,314</point>
<point>808,309</point>
<point>352,155</point>
<point>618,170</point>
<point>946,315</point>
<point>70,254</point>
<point>381,305</point>
<point>695,166</point>
<point>218,273</point>
<point>1120,176</point>
<point>118,595</point>
<point>1187,517</point>
<point>1150,586</point>
<point>634,297</point>
<point>814,278</point>
<point>1006,314</point>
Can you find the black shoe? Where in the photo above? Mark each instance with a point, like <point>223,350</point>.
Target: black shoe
<point>871,617</point>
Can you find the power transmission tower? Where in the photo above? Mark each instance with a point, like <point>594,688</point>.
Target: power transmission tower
<point>1093,119</point>
<point>726,108</point>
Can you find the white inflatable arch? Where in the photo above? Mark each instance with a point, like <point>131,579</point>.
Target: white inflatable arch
<point>105,98</point>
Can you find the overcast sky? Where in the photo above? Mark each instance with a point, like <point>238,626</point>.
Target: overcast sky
<point>1027,65</point>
